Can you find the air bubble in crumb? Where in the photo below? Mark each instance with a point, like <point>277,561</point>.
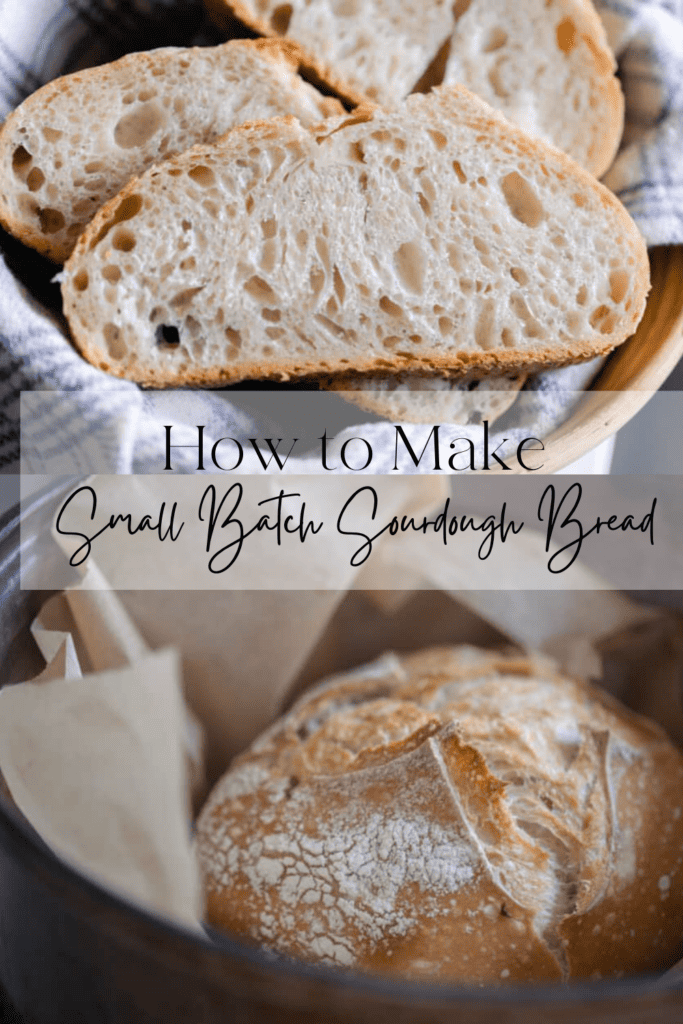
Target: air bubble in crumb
<point>389,307</point>
<point>124,240</point>
<point>137,128</point>
<point>524,204</point>
<point>519,275</point>
<point>235,341</point>
<point>457,167</point>
<point>21,161</point>
<point>128,208</point>
<point>51,221</point>
<point>339,286</point>
<point>410,265</point>
<point>598,315</point>
<point>112,339</point>
<point>438,138</point>
<point>260,290</point>
<point>566,35</point>
<point>281,18</point>
<point>35,180</point>
<point>202,176</point>
<point>167,336</point>
<point>619,281</point>
<point>497,38</point>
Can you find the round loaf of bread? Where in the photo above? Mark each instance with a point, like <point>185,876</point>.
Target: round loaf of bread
<point>455,815</point>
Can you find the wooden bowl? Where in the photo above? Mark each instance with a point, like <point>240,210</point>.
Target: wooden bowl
<point>633,372</point>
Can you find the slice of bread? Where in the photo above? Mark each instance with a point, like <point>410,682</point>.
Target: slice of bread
<point>428,398</point>
<point>76,142</point>
<point>363,49</point>
<point>436,237</point>
<point>546,64</point>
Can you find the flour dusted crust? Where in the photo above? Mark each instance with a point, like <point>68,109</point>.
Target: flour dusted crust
<point>453,815</point>
<point>429,398</point>
<point>545,64</point>
<point>433,237</point>
<point>76,142</point>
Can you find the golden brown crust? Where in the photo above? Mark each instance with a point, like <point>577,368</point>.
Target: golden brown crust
<point>459,362</point>
<point>429,397</point>
<point>275,48</point>
<point>552,819</point>
<point>607,143</point>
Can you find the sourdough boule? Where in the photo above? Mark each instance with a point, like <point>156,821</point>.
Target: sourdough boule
<point>454,815</point>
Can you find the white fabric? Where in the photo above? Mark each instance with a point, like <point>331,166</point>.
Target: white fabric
<point>41,38</point>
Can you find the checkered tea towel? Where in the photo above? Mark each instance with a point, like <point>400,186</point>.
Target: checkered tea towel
<point>42,38</point>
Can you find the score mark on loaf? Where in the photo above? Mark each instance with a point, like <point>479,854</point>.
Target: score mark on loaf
<point>436,236</point>
<point>453,815</point>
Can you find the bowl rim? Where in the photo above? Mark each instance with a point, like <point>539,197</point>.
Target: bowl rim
<point>35,855</point>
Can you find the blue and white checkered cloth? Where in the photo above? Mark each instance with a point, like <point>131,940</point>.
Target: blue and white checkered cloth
<point>40,39</point>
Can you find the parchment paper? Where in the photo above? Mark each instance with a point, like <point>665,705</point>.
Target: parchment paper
<point>241,650</point>
<point>96,765</point>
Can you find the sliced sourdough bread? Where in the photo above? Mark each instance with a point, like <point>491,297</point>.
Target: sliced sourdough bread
<point>436,236</point>
<point>75,143</point>
<point>546,64</point>
<point>428,398</point>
